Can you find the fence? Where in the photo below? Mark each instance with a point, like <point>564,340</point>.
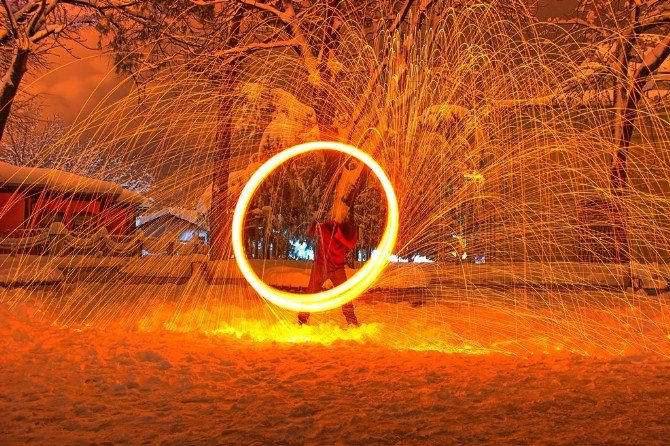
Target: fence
<point>57,240</point>
<point>135,260</point>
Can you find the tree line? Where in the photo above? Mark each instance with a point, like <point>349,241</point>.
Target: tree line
<point>147,37</point>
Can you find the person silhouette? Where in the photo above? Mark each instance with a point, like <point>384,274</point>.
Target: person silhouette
<point>332,241</point>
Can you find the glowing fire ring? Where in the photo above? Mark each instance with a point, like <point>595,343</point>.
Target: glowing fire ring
<point>357,283</point>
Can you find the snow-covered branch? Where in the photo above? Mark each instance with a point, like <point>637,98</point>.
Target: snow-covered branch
<point>653,59</point>
<point>257,47</point>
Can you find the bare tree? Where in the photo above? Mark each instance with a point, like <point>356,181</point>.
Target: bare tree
<point>29,29</point>
<point>631,42</point>
<point>311,30</point>
<point>222,40</point>
<point>26,145</point>
<point>231,34</point>
<point>47,146</point>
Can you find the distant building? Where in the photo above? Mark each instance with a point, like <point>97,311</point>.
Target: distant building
<point>176,223</point>
<point>602,236</point>
<point>33,198</point>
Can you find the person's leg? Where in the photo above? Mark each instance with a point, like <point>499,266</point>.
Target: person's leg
<point>316,279</point>
<point>339,277</point>
<point>349,314</point>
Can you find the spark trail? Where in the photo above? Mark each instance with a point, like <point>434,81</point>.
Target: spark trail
<point>498,143</point>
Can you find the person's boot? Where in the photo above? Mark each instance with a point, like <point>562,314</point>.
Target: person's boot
<point>350,316</point>
<point>353,321</point>
<point>303,318</point>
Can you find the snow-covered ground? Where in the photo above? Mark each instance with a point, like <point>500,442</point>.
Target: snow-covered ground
<point>259,379</point>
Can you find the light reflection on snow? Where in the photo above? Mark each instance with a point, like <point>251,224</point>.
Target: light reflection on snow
<point>418,258</point>
<point>326,333</point>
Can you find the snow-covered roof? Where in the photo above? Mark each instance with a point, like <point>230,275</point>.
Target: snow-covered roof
<point>63,182</point>
<point>188,215</point>
<point>130,197</point>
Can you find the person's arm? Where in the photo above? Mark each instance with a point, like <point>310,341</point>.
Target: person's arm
<point>349,241</point>
<point>312,229</point>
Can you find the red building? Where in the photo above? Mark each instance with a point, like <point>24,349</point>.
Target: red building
<point>33,198</point>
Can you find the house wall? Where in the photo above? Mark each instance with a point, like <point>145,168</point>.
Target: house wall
<point>118,220</point>
<point>12,214</point>
<point>167,226</point>
<point>69,207</point>
<point>20,211</point>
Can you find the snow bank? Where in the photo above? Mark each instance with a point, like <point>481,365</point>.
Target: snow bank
<point>402,276</point>
<point>29,270</point>
<point>221,271</point>
<point>112,386</point>
<point>160,269</point>
<point>287,277</point>
<point>550,274</point>
<point>85,268</point>
<point>294,274</point>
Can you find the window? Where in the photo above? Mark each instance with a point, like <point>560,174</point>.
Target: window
<point>47,218</point>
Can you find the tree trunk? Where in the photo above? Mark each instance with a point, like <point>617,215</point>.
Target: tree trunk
<point>325,120</point>
<point>619,177</point>
<point>623,133</point>
<point>220,217</point>
<point>627,98</point>
<point>10,85</point>
<point>220,213</point>
<point>625,103</point>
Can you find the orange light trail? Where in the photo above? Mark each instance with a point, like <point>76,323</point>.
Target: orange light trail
<point>356,284</point>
